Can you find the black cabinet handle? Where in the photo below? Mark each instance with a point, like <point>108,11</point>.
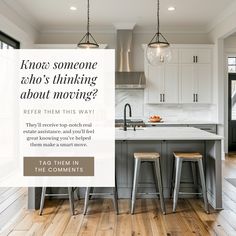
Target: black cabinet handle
<point>160,97</point>
<point>196,97</point>
<point>195,59</point>
<point>163,97</point>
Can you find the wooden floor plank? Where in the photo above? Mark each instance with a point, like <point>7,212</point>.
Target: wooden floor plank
<point>7,192</point>
<point>75,222</point>
<point>12,198</point>
<point>228,214</point>
<point>191,220</point>
<point>3,189</point>
<point>209,220</point>
<point>155,217</point>
<point>101,220</point>
<point>173,222</point>
<point>51,209</point>
<point>18,233</point>
<point>59,221</point>
<point>91,219</point>
<point>123,226</point>
<point>13,209</point>
<point>106,225</point>
<point>140,223</point>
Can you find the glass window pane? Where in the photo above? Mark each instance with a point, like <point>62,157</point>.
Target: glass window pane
<point>232,69</point>
<point>233,100</point>
<point>231,60</point>
<point>4,46</point>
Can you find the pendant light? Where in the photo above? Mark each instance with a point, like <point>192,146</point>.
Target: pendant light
<point>88,40</point>
<point>158,50</point>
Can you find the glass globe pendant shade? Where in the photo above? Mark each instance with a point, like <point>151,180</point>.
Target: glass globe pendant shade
<point>158,50</point>
<point>158,55</point>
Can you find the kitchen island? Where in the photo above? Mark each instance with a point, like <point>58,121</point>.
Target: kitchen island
<point>164,140</point>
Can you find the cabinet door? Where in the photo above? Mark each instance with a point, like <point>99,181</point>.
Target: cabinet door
<point>204,83</point>
<point>171,83</point>
<point>204,55</point>
<point>187,83</point>
<point>155,84</point>
<point>174,56</point>
<point>187,56</point>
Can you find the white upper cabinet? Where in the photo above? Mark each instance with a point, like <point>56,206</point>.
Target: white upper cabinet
<point>196,75</point>
<point>163,81</point>
<point>189,56</point>
<point>204,83</point>
<point>187,78</point>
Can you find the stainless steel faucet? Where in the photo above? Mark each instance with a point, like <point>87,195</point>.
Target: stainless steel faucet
<point>130,114</point>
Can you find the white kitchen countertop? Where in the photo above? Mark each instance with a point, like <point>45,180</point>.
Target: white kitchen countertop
<point>174,122</point>
<point>165,133</point>
<point>181,123</point>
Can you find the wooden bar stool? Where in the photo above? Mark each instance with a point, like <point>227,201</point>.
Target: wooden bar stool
<point>181,157</point>
<point>70,194</point>
<point>154,158</point>
<point>89,193</point>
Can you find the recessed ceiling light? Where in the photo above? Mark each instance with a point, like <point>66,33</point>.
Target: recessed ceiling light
<point>171,8</point>
<point>72,8</point>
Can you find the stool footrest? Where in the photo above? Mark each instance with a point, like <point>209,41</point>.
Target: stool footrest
<point>55,194</point>
<point>147,193</point>
<point>190,193</point>
<point>100,194</point>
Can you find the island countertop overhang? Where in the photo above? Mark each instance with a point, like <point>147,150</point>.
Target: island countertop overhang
<point>166,133</point>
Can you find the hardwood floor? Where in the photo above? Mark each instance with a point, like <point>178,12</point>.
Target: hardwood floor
<point>101,220</point>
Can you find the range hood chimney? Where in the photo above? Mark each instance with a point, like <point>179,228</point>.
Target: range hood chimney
<point>126,77</point>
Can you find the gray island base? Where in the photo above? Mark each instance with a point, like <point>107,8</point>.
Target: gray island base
<point>164,140</point>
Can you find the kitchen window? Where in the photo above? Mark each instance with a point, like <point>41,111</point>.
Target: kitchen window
<point>232,64</point>
<point>7,42</point>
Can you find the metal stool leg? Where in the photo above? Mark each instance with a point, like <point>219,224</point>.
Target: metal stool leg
<point>77,193</point>
<point>155,177</point>
<point>172,177</point>
<point>135,184</point>
<point>177,182</point>
<point>160,186</point>
<point>42,200</point>
<point>86,199</point>
<point>71,200</point>
<point>194,174</point>
<point>91,191</point>
<point>204,192</point>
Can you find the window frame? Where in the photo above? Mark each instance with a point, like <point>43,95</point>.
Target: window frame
<point>231,65</point>
<point>4,38</point>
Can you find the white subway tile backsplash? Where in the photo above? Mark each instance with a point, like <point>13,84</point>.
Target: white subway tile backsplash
<point>132,96</point>
<point>174,112</point>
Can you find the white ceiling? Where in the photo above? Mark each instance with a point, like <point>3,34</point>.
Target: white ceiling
<point>55,14</point>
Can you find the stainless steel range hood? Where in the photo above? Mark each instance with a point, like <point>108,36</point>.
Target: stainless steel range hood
<point>126,77</point>
<point>130,80</point>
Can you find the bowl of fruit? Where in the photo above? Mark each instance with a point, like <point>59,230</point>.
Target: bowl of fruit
<point>155,118</point>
